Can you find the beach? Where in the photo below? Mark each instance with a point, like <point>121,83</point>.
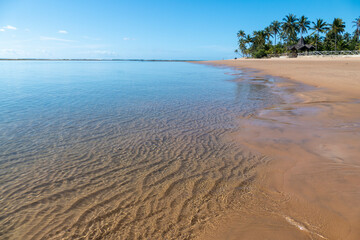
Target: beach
<point>340,74</point>
<point>310,188</point>
<point>135,150</point>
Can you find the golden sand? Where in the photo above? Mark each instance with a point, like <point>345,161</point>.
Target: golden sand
<point>312,184</point>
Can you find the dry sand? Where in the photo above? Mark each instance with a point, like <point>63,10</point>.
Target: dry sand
<point>340,74</point>
<point>311,188</point>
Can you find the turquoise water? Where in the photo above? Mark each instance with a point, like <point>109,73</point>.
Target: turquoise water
<point>120,149</point>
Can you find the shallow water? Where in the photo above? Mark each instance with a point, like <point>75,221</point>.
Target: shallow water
<point>102,150</point>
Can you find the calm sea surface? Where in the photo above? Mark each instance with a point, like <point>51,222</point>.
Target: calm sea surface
<point>129,150</point>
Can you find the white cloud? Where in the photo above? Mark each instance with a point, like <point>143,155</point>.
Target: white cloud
<point>10,27</point>
<point>12,52</point>
<point>55,39</point>
<point>128,39</point>
<point>63,31</point>
<point>2,30</point>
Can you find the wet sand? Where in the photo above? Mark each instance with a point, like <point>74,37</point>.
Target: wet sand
<point>311,187</point>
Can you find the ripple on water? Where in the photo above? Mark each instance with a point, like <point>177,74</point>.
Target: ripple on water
<point>155,170</point>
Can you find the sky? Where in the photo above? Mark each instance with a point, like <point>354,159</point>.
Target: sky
<point>147,29</point>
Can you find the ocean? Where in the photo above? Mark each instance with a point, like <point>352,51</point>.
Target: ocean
<point>121,150</point>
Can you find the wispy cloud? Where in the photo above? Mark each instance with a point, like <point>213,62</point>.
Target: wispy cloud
<point>2,30</point>
<point>91,38</point>
<point>12,52</point>
<point>10,27</point>
<point>55,39</point>
<point>128,39</point>
<point>63,32</point>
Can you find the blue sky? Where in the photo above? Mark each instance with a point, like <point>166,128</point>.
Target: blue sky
<point>151,29</point>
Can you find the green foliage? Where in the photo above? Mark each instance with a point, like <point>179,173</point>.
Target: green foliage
<point>290,27</point>
<point>320,26</point>
<point>304,25</point>
<point>260,53</point>
<point>338,26</point>
<point>357,28</point>
<point>324,36</point>
<point>275,28</point>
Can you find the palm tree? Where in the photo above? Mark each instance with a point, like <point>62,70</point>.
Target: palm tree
<point>259,38</point>
<point>268,33</point>
<point>320,26</point>
<point>242,46</point>
<point>314,39</point>
<point>241,34</point>
<point>338,26</point>
<point>357,26</point>
<point>275,27</point>
<point>290,27</point>
<point>304,24</point>
<point>242,41</point>
<point>286,32</point>
<point>282,36</point>
<point>249,41</point>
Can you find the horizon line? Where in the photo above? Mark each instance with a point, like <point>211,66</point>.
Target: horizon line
<point>97,59</point>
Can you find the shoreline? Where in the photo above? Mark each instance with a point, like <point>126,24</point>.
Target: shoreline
<point>95,60</point>
<point>313,138</point>
<point>318,72</point>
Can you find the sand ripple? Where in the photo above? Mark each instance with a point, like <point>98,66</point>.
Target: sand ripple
<point>139,178</point>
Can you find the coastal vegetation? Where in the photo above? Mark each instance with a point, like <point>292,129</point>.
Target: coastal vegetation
<point>276,38</point>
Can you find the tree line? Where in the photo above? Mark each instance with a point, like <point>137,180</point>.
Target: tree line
<point>278,36</point>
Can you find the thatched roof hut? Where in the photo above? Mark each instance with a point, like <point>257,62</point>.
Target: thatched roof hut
<point>301,46</point>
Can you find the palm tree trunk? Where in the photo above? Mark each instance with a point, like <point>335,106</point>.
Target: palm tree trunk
<point>335,42</point>
<point>317,40</point>
<point>275,39</point>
